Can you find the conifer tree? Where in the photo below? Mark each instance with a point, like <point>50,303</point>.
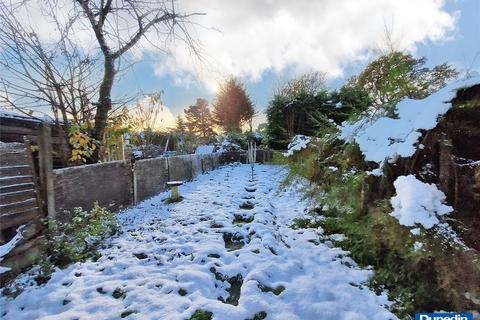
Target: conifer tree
<point>233,107</point>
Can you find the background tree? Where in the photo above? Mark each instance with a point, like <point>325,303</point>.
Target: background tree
<point>146,116</point>
<point>310,83</point>
<point>397,75</point>
<point>180,125</point>
<point>199,120</point>
<point>311,110</point>
<point>233,107</point>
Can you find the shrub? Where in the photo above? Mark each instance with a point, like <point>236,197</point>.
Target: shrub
<point>77,240</point>
<point>433,278</point>
<point>311,114</point>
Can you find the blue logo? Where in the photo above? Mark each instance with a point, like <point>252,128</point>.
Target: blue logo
<point>444,316</point>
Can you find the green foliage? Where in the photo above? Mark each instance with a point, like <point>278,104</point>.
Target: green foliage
<point>201,315</point>
<point>232,107</point>
<point>278,158</point>
<point>77,240</point>
<point>353,98</point>
<point>346,206</point>
<point>310,114</point>
<point>398,75</point>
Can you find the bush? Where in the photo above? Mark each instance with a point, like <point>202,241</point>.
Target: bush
<point>433,278</point>
<point>311,114</point>
<point>78,240</point>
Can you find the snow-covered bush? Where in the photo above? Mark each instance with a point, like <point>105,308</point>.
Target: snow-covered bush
<point>229,144</point>
<point>384,139</point>
<point>299,142</point>
<point>205,149</point>
<point>236,141</point>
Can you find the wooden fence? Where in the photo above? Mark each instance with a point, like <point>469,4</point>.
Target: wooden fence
<point>20,128</point>
<point>20,204</point>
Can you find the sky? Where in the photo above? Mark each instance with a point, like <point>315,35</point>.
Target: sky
<point>265,43</point>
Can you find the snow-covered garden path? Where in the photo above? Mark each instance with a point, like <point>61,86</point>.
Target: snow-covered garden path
<point>208,253</point>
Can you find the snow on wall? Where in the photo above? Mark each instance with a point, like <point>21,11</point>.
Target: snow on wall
<point>385,139</point>
<point>417,203</point>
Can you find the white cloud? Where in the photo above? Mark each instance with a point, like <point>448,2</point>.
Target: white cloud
<point>299,36</point>
<point>249,37</point>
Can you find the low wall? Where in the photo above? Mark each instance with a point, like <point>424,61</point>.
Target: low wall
<point>180,168</point>
<point>150,177</point>
<point>108,183</point>
<point>121,184</point>
<point>118,183</point>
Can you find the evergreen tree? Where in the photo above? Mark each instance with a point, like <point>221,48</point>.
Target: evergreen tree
<point>310,113</point>
<point>233,106</point>
<point>199,120</point>
<point>180,125</point>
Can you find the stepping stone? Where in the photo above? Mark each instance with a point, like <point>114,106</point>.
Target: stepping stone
<point>247,205</point>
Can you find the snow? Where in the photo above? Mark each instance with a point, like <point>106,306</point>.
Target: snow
<point>165,248</point>
<point>21,116</point>
<point>418,203</point>
<point>137,153</point>
<point>7,247</point>
<point>385,139</point>
<point>229,145</point>
<point>417,245</point>
<point>205,149</point>
<point>415,231</point>
<point>299,142</point>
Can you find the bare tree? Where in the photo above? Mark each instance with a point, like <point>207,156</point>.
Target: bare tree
<point>307,83</point>
<point>74,83</point>
<point>34,74</point>
<point>146,116</point>
<point>118,26</point>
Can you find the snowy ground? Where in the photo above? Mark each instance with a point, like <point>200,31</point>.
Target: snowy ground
<point>208,253</point>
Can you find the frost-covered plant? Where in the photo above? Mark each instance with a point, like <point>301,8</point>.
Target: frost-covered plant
<point>78,239</point>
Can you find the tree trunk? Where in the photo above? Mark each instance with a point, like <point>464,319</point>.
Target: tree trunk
<point>104,104</point>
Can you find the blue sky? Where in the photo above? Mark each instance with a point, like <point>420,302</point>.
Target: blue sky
<point>458,44</point>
